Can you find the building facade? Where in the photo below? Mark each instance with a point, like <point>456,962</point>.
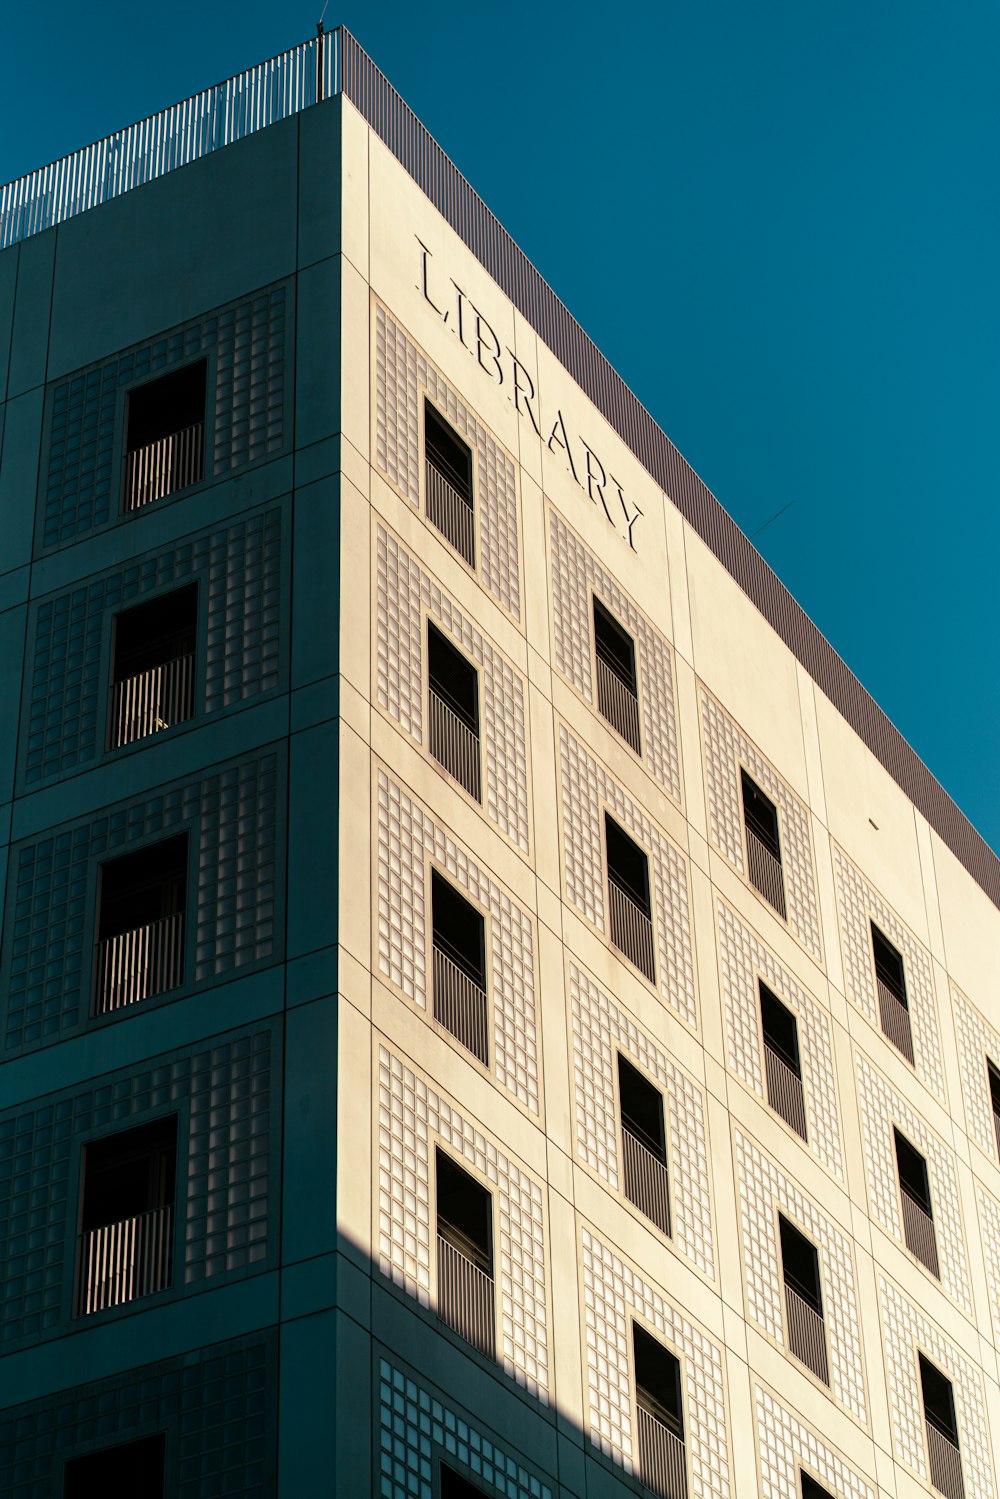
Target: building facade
<point>489,1006</point>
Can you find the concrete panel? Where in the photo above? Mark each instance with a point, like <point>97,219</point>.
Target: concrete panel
<point>190,241</point>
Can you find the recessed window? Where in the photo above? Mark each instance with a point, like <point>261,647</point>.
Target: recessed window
<point>760,817</point>
<point>449,483</point>
<point>459,959</point>
<point>993,1076</point>
<point>811,1489</point>
<point>129,1468</point>
<point>454,1486</point>
<point>453,701</point>
<point>631,924</point>
<point>915,1202</point>
<point>127,1215</point>
<point>617,689</point>
<point>465,1255</point>
<point>782,1064</point>
<point>890,981</point>
<point>152,667</point>
<point>140,924</point>
<point>644,1154</point>
<point>803,1299</point>
<point>662,1460</point>
<point>941,1430</point>
<point>164,435</point>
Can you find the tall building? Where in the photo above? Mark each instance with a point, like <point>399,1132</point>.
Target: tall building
<point>488,1003</point>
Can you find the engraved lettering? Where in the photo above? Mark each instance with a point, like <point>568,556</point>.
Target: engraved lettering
<point>493,351</point>
<point>525,392</point>
<point>593,484</point>
<point>562,442</point>
<point>425,256</point>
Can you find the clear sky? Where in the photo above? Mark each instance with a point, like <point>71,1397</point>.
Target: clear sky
<point>780,222</point>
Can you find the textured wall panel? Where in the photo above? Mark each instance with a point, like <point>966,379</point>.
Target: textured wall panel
<point>412,1118</point>
<point>403,376</point>
<point>988,1209</point>
<point>238,569</point>
<point>726,749</point>
<point>223,1167</point>
<point>977,1040</point>
<point>905,1330</point>
<point>764,1190</point>
<point>614,1293</point>
<point>587,788</point>
<point>405,595</point>
<point>600,1031</point>
<point>81,487</point>
<point>576,576</point>
<point>417,1428</point>
<point>880,1107</point>
<point>406,835</point>
<point>858,905</point>
<point>232,817</point>
<point>785,1446</point>
<point>743,959</point>
<point>218,1410</point>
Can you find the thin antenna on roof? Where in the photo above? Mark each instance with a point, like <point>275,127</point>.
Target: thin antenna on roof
<point>774,517</point>
<point>321,57</point>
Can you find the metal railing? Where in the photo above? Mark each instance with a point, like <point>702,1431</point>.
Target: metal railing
<point>631,930</point>
<point>195,127</point>
<point>806,1334</point>
<point>452,514</point>
<point>139,964</point>
<point>123,1261</point>
<point>461,1006</point>
<point>618,703</point>
<point>454,745</point>
<point>918,1231</point>
<point>150,701</point>
<point>784,1091</point>
<point>162,467</point>
<point>466,1298</point>
<point>662,1458</point>
<point>765,872</point>
<point>895,1018</point>
<point>945,1463</point>
<point>645,1180</point>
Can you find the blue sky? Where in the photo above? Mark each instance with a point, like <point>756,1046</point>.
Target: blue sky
<point>782,225</point>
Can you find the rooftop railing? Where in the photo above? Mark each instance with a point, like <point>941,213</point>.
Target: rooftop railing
<point>140,153</point>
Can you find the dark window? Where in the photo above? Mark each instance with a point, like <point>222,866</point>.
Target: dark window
<point>132,1469</point>
<point>628,866</point>
<point>913,1173</point>
<point>140,924</point>
<point>454,1486</point>
<point>459,961</point>
<point>889,965</point>
<point>803,1299</point>
<point>800,1264</point>
<point>644,1154</point>
<point>782,1066</point>
<point>993,1073</point>
<point>454,711</point>
<point>630,915</point>
<point>152,672</point>
<point>465,1255</point>
<point>890,983</point>
<point>763,844</point>
<point>939,1400</point>
<point>657,1380</point>
<point>465,1212</point>
<point>642,1108</point>
<point>811,1489</point>
<point>126,1214</point>
<point>449,483</point>
<point>617,691</point>
<point>164,435</point>
<point>781,1031</point>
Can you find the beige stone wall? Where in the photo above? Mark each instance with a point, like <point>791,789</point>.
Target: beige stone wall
<point>540,1124</point>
